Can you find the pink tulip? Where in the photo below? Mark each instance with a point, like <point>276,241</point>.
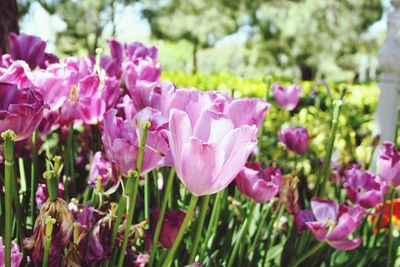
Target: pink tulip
<point>248,111</point>
<point>16,255</point>
<point>287,98</point>
<point>364,188</point>
<point>121,139</point>
<point>257,183</point>
<point>209,153</point>
<point>332,224</point>
<point>20,110</point>
<point>295,139</point>
<point>389,164</point>
<point>18,72</point>
<point>101,168</point>
<point>27,47</point>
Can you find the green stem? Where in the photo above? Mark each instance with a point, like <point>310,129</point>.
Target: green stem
<point>161,216</point>
<point>34,171</point>
<point>203,212</point>
<point>71,161</point>
<point>132,189</point>
<point>380,219</point>
<point>389,253</point>
<point>321,187</point>
<point>213,222</point>
<point>308,253</point>
<point>8,136</point>
<point>146,197</point>
<point>188,217</point>
<point>47,243</point>
<point>242,233</point>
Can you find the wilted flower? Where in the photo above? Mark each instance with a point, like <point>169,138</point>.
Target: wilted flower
<point>295,139</point>
<point>389,164</point>
<point>20,110</point>
<point>364,188</point>
<point>257,183</point>
<point>289,194</point>
<point>332,224</point>
<point>27,47</point>
<point>209,153</point>
<point>170,226</point>
<point>16,255</point>
<point>58,210</point>
<point>287,98</point>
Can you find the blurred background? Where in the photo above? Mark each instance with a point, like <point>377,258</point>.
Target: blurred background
<point>301,39</point>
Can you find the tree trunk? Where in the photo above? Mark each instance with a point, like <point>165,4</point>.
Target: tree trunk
<point>8,21</point>
<point>307,72</point>
<point>194,57</point>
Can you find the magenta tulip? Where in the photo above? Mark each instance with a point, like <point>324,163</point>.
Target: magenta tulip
<point>121,140</point>
<point>389,164</point>
<point>20,110</point>
<point>364,188</point>
<point>101,168</point>
<point>295,139</point>
<point>18,72</point>
<point>27,47</point>
<point>332,224</point>
<point>170,226</point>
<point>16,255</point>
<point>210,153</point>
<point>287,98</point>
<point>257,183</point>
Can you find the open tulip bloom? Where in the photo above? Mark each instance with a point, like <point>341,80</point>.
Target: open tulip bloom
<point>332,224</point>
<point>104,162</point>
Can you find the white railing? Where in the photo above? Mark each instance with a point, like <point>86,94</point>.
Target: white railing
<point>389,61</point>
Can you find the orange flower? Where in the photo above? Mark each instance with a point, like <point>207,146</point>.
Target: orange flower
<point>386,214</point>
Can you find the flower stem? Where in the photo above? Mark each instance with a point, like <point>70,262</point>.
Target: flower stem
<point>161,216</point>
<point>8,137</point>
<point>213,222</point>
<point>71,161</point>
<point>308,254</point>
<point>34,168</point>
<point>242,233</point>
<point>323,175</point>
<point>188,217</point>
<point>389,253</point>
<point>131,191</point>
<point>47,240</point>
<point>203,212</point>
<point>146,197</point>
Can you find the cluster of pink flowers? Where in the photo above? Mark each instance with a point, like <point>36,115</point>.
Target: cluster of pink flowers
<point>209,138</point>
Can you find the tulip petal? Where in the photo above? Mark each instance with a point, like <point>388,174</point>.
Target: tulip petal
<point>346,244</point>
<point>212,127</point>
<point>345,227</point>
<point>318,229</point>
<point>324,210</point>
<point>180,131</point>
<point>201,163</point>
<point>237,144</point>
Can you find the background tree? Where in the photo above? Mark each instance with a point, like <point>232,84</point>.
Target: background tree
<point>202,23</point>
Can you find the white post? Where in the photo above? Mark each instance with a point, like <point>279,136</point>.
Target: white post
<point>389,61</point>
